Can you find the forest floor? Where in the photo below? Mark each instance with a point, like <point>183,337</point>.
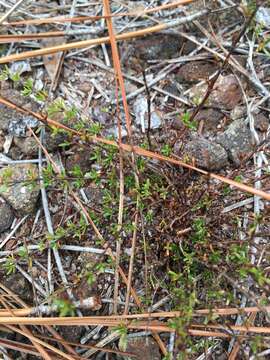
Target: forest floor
<point>134,179</point>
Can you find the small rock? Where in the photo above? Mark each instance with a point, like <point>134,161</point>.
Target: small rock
<point>85,86</point>
<point>225,95</point>
<point>20,67</point>
<point>71,333</point>
<point>6,216</point>
<point>177,124</point>
<point>78,157</point>
<point>18,284</point>
<point>27,146</point>
<point>94,195</point>
<point>19,126</point>
<point>140,108</point>
<point>237,140</point>
<point>208,155</point>
<point>19,188</point>
<point>263,16</point>
<point>238,112</point>
<point>211,118</point>
<point>158,46</point>
<point>7,114</point>
<point>152,47</point>
<point>143,348</point>
<point>101,115</point>
<point>52,141</point>
<point>195,71</point>
<point>261,122</point>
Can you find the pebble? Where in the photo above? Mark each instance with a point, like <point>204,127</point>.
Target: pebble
<point>211,118</point>
<point>225,95</point>
<point>237,140</point>
<point>195,71</point>
<point>16,190</point>
<point>19,285</point>
<point>261,122</point>
<point>6,216</point>
<point>78,157</point>
<point>208,154</point>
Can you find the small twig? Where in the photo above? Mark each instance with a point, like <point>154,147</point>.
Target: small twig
<point>148,96</point>
<point>131,261</point>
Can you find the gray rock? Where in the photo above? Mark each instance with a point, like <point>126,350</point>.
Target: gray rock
<point>208,155</point>
<point>20,67</point>
<point>152,47</point>
<point>261,122</point>
<point>71,333</point>
<point>140,109</point>
<point>7,114</point>
<point>19,285</point>
<point>6,216</point>
<point>196,70</point>
<point>28,146</point>
<point>226,93</point>
<point>158,46</point>
<point>211,118</point>
<point>19,188</point>
<point>238,112</point>
<point>237,140</point>
<point>263,16</point>
<point>52,141</point>
<point>19,126</point>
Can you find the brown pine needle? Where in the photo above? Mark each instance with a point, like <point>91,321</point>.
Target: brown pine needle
<point>138,150</point>
<point>58,19</point>
<point>98,41</point>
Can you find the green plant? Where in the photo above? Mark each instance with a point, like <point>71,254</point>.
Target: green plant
<point>41,96</point>
<point>200,233</point>
<point>54,239</point>
<point>22,252</point>
<point>192,125</point>
<point>93,175</point>
<point>10,265</point>
<point>122,331</point>
<point>7,74</point>
<point>90,277</point>
<point>64,307</point>
<point>238,254</point>
<point>145,190</point>
<point>78,229</point>
<point>4,74</point>
<point>48,174</point>
<point>166,150</point>
<point>27,87</point>
<point>78,174</point>
<point>95,128</point>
